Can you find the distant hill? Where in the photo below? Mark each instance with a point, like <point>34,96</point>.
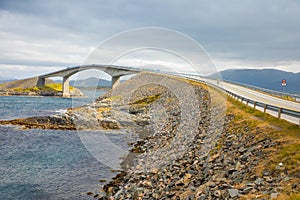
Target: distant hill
<point>265,78</point>
<point>91,82</point>
<point>24,83</point>
<point>6,79</point>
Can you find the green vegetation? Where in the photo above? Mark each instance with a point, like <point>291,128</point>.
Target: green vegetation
<point>286,136</point>
<point>54,87</point>
<point>112,98</point>
<point>283,132</point>
<point>294,197</point>
<point>289,98</point>
<point>147,100</point>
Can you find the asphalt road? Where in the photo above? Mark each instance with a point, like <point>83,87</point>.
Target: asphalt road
<point>260,97</point>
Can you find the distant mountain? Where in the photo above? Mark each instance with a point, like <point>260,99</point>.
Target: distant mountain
<point>6,79</point>
<point>90,82</point>
<point>265,78</point>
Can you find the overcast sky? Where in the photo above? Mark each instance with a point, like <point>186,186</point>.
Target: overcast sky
<point>43,36</point>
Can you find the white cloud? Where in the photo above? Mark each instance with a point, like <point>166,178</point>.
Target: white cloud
<point>25,71</point>
<point>252,33</point>
<point>289,65</point>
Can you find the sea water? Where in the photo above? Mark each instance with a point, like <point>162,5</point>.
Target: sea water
<point>47,164</point>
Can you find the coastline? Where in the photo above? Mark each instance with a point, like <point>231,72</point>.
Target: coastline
<point>78,94</point>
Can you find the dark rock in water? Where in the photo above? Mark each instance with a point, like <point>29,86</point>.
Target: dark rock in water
<point>47,122</point>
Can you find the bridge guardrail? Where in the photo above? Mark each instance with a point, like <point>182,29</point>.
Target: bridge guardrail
<point>296,97</point>
<point>279,110</point>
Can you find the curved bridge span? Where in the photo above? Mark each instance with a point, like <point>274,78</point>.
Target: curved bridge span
<point>114,71</point>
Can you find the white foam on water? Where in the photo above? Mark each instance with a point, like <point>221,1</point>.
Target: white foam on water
<point>61,111</point>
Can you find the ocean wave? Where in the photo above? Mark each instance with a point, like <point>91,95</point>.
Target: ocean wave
<point>61,111</point>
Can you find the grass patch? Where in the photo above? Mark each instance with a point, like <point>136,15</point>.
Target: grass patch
<point>104,109</point>
<point>289,98</point>
<point>114,98</point>
<point>285,134</point>
<point>294,197</point>
<point>54,87</point>
<point>147,100</point>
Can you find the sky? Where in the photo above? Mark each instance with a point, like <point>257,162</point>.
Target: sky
<point>39,36</point>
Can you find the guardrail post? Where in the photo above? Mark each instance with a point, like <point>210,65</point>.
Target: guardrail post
<point>265,108</point>
<point>247,102</point>
<point>279,112</point>
<point>254,104</point>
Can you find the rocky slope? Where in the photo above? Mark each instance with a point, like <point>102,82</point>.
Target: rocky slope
<point>216,163</point>
<point>24,83</point>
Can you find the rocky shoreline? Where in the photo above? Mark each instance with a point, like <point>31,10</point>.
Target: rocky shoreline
<point>76,93</point>
<point>188,147</point>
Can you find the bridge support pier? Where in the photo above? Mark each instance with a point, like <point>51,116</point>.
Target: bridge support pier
<point>115,81</point>
<point>65,86</point>
<point>41,81</point>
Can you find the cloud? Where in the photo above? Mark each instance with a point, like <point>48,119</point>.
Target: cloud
<point>25,71</point>
<point>251,33</point>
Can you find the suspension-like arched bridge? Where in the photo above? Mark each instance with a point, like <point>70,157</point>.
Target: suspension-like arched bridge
<point>114,71</point>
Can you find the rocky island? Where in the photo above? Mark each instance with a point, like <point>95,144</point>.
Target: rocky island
<point>27,87</point>
<point>193,143</point>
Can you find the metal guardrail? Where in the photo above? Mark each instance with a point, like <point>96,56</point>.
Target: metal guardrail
<point>296,97</point>
<point>266,107</point>
<point>247,101</point>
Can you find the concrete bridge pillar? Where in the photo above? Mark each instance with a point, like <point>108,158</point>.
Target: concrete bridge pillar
<point>115,81</point>
<point>41,81</point>
<point>65,86</point>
